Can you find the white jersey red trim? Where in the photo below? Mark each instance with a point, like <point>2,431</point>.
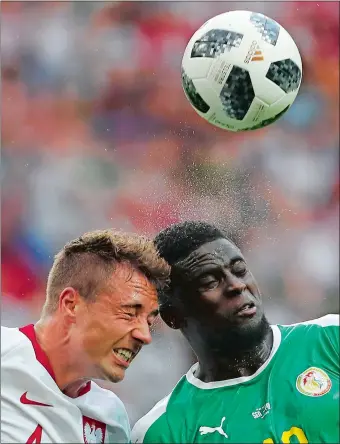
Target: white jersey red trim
<point>35,410</point>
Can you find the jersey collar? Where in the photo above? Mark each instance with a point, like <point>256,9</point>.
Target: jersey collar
<point>41,356</point>
<point>229,382</point>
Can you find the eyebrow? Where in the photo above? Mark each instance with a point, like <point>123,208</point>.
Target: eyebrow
<point>213,267</point>
<point>137,305</point>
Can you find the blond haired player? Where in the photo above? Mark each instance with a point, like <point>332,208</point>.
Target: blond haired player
<point>101,301</point>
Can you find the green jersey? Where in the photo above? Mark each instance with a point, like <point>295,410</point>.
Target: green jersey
<point>292,398</point>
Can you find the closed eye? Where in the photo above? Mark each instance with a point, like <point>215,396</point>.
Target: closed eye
<point>130,311</point>
<point>152,319</point>
<point>130,314</point>
<point>209,282</point>
<point>239,268</point>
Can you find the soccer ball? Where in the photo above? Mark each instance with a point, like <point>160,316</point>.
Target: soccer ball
<point>241,71</point>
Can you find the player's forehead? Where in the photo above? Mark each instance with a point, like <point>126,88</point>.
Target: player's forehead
<point>130,285</point>
<point>220,253</point>
<point>220,249</point>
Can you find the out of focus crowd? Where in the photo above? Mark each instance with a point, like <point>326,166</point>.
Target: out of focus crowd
<point>96,133</point>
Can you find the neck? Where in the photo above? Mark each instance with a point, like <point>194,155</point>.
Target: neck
<point>214,366</point>
<point>53,337</point>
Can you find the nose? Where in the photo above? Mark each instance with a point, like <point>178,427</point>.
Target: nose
<point>235,286</point>
<point>142,333</point>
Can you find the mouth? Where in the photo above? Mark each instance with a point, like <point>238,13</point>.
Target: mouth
<point>246,310</point>
<point>124,356</point>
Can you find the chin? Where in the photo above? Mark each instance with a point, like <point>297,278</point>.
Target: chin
<point>115,378</point>
<point>112,374</point>
<point>251,324</point>
<point>241,336</point>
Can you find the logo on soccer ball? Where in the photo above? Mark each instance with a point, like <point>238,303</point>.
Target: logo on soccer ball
<point>254,54</point>
<point>313,382</point>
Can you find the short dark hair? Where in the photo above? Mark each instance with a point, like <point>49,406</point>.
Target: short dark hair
<point>86,263</point>
<point>177,241</point>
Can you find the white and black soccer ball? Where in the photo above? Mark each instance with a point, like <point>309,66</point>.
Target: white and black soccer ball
<point>241,71</point>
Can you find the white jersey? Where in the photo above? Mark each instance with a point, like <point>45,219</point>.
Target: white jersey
<point>35,410</point>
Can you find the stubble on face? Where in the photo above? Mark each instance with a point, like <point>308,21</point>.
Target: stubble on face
<point>212,311</point>
<point>128,300</point>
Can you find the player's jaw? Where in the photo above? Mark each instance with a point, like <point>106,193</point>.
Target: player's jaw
<point>226,337</point>
<point>234,322</point>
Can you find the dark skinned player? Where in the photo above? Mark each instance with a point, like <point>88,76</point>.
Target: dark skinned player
<point>253,382</point>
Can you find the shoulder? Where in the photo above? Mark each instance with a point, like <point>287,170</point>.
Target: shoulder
<point>11,338</point>
<point>324,331</point>
<point>103,404</point>
<point>330,320</point>
<point>147,422</point>
<point>104,391</point>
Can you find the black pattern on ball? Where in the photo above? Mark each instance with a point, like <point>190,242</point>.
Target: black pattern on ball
<point>269,121</point>
<point>215,43</point>
<point>192,95</point>
<point>267,27</point>
<point>237,94</point>
<point>285,74</point>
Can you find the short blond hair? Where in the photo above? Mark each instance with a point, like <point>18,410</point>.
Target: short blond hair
<point>86,264</point>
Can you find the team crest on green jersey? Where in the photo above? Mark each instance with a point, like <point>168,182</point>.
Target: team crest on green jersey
<point>313,382</point>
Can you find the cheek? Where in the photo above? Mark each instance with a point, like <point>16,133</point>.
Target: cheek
<point>252,285</point>
<point>102,335</point>
<point>211,297</point>
<point>97,335</point>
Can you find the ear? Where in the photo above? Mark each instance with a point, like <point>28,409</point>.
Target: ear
<point>172,312</point>
<point>69,302</point>
<point>170,316</point>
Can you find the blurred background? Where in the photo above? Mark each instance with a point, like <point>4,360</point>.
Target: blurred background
<point>96,133</point>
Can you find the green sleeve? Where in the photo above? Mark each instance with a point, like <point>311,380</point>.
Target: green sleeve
<point>159,432</point>
<point>153,427</point>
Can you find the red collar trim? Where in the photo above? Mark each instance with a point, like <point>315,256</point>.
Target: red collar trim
<point>85,389</point>
<point>41,356</point>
